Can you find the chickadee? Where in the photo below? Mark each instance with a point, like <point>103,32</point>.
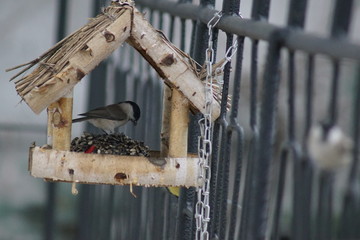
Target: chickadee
<point>111,116</point>
<point>329,147</point>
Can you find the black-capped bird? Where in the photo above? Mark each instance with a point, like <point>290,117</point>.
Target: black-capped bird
<point>111,116</point>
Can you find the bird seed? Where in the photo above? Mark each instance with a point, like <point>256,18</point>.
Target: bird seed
<point>116,144</point>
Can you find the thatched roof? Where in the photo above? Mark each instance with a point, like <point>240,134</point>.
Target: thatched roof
<point>60,68</point>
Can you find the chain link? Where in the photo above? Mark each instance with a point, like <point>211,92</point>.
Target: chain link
<point>228,56</point>
<point>202,207</point>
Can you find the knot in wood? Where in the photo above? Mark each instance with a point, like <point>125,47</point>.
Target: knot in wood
<point>120,176</point>
<point>56,118</point>
<point>108,36</point>
<point>79,74</point>
<point>168,60</point>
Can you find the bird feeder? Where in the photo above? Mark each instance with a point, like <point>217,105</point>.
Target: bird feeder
<point>51,84</point>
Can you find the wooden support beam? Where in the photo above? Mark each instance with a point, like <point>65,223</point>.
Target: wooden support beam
<point>81,63</point>
<point>165,125</point>
<point>169,62</point>
<point>178,129</point>
<point>179,124</point>
<point>50,111</point>
<point>56,165</point>
<point>59,122</point>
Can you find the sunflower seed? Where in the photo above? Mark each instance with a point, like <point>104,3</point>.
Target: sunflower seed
<point>118,144</point>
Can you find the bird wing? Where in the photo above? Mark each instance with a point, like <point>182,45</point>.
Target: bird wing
<point>111,112</point>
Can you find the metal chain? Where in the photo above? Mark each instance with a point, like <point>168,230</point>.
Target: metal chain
<point>228,56</point>
<point>202,207</point>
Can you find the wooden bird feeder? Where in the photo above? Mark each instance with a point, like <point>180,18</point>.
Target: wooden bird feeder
<point>51,83</point>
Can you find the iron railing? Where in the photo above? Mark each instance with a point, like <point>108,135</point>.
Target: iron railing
<point>245,203</point>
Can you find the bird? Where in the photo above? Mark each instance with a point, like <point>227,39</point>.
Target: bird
<point>329,146</point>
<point>109,117</point>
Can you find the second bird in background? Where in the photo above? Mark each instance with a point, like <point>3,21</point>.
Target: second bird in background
<point>112,116</point>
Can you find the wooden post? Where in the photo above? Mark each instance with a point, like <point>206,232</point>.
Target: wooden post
<point>165,126</point>
<point>50,110</point>
<point>179,124</point>
<point>59,126</point>
<point>178,132</point>
<point>59,122</point>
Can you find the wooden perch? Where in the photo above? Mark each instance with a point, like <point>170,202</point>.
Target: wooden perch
<point>56,165</point>
<point>64,65</point>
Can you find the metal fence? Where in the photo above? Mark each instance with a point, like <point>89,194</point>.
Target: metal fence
<point>256,164</point>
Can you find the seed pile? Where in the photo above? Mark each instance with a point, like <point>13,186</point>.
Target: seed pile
<point>117,144</point>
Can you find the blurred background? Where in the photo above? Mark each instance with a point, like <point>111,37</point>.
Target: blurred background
<point>32,29</point>
<point>29,28</point>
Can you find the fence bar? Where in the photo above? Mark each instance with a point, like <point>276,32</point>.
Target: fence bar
<point>291,97</point>
<point>260,9</point>
<point>341,18</point>
<point>309,93</point>
<point>295,40</point>
<point>349,227</point>
<point>306,167</point>
<point>333,101</point>
<point>224,156</point>
<point>253,142</point>
<point>229,8</point>
<point>234,125</point>
<point>279,194</point>
<point>51,188</point>
<point>296,19</point>
<point>297,12</point>
<point>324,216</point>
<point>258,214</point>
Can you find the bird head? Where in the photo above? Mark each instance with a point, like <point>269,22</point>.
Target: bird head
<point>135,115</point>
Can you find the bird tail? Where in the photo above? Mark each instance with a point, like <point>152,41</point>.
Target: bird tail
<point>174,191</point>
<point>80,119</point>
